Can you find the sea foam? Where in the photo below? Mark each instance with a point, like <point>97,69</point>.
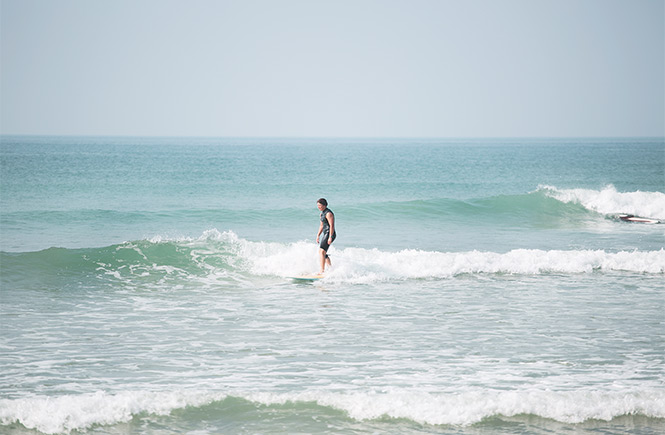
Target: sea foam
<point>216,257</point>
<point>468,408</point>
<point>75,412</point>
<point>609,201</point>
<point>78,412</point>
<point>360,265</point>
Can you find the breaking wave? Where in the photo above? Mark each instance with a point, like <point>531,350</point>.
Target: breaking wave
<point>224,257</point>
<point>609,201</point>
<point>67,413</point>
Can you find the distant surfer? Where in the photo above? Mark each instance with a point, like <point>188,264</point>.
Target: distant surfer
<point>326,232</point>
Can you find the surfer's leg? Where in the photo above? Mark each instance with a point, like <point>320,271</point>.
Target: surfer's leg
<point>324,247</point>
<point>323,251</point>
<point>322,259</point>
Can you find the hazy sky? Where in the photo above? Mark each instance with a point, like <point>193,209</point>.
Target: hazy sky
<point>416,68</point>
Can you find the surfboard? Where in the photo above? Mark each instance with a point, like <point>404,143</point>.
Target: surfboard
<point>310,277</point>
<point>633,218</point>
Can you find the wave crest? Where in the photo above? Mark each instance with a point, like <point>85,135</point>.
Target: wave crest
<point>216,258</point>
<point>75,412</point>
<point>609,201</point>
<point>364,266</point>
<point>468,408</point>
<point>79,412</point>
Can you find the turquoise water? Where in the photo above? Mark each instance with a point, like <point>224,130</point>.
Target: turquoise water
<point>477,286</point>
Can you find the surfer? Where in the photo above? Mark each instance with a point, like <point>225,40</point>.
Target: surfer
<point>326,232</point>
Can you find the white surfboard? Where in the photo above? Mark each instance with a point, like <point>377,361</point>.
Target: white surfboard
<point>307,277</point>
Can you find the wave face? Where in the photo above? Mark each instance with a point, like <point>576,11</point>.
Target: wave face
<point>218,257</point>
<point>80,412</point>
<point>483,223</point>
<point>520,209</point>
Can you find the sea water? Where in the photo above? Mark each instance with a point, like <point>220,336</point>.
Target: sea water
<point>478,286</point>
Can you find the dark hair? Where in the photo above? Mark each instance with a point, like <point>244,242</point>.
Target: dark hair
<point>323,201</point>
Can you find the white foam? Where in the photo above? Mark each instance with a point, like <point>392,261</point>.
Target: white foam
<point>75,412</point>
<point>471,407</point>
<point>371,265</point>
<point>78,412</point>
<point>609,201</point>
<point>359,265</point>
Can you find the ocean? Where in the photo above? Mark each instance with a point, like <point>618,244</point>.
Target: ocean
<point>478,286</point>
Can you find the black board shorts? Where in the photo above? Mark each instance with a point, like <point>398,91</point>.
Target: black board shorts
<point>323,243</point>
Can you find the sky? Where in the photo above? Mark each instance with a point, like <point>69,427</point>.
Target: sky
<point>344,68</point>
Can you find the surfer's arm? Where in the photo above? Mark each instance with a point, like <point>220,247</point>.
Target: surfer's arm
<point>319,233</point>
<point>331,221</point>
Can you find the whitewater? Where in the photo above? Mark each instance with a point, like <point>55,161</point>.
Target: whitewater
<point>478,286</point>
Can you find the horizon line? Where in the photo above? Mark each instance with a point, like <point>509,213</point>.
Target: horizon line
<point>318,137</point>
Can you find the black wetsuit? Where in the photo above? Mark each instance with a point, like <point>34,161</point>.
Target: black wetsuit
<point>325,233</point>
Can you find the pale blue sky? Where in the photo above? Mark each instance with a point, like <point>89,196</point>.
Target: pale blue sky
<point>463,68</point>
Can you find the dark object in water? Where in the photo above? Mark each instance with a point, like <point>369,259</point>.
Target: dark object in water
<point>633,218</point>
